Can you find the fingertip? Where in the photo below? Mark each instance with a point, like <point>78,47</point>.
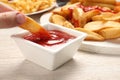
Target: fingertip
<point>20,18</point>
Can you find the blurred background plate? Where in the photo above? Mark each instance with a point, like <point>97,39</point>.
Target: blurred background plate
<point>44,10</point>
<point>58,3</point>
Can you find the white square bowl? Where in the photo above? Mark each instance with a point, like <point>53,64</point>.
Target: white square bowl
<point>50,58</point>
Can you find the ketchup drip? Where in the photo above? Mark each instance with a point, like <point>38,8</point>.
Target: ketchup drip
<point>56,37</point>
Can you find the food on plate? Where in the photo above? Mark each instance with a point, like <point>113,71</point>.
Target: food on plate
<point>35,28</point>
<point>99,22</point>
<point>29,6</point>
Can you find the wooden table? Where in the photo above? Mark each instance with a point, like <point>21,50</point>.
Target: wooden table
<point>84,66</point>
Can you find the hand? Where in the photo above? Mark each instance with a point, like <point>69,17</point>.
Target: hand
<point>9,17</point>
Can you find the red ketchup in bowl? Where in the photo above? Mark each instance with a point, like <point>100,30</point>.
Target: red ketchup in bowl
<point>56,37</point>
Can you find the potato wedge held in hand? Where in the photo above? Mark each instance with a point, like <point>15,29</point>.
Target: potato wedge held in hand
<point>33,27</point>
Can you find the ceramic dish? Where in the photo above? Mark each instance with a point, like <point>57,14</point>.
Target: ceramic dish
<point>53,56</point>
<point>104,47</point>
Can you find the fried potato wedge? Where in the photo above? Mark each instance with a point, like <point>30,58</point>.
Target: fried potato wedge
<point>117,8</point>
<point>91,35</point>
<point>77,17</point>
<point>57,19</point>
<point>94,26</point>
<point>68,24</point>
<point>99,25</point>
<point>60,20</point>
<point>66,9</point>
<point>112,24</point>
<point>102,16</point>
<point>113,17</point>
<point>77,13</point>
<point>110,33</point>
<point>59,11</point>
<point>88,15</point>
<point>35,28</point>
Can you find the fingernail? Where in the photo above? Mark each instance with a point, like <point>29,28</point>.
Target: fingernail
<point>20,18</point>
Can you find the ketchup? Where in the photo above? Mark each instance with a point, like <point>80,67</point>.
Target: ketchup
<point>89,8</point>
<point>75,22</point>
<point>56,37</point>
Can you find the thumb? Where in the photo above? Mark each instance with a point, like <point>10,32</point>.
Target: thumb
<point>11,19</point>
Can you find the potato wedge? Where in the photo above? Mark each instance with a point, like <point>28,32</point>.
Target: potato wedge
<point>88,15</point>
<point>110,33</point>
<point>94,26</point>
<point>68,24</point>
<point>66,10</point>
<point>101,16</point>
<point>57,19</point>
<point>113,17</point>
<point>91,35</point>
<point>35,28</point>
<point>111,24</point>
<point>77,17</point>
<point>117,8</point>
<point>60,20</point>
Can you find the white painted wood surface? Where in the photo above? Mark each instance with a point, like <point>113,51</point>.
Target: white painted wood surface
<point>84,66</point>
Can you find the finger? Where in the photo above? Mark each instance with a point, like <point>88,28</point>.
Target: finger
<point>11,19</point>
<point>5,8</point>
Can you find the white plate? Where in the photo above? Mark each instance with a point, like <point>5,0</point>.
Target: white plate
<point>44,10</point>
<point>103,47</point>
